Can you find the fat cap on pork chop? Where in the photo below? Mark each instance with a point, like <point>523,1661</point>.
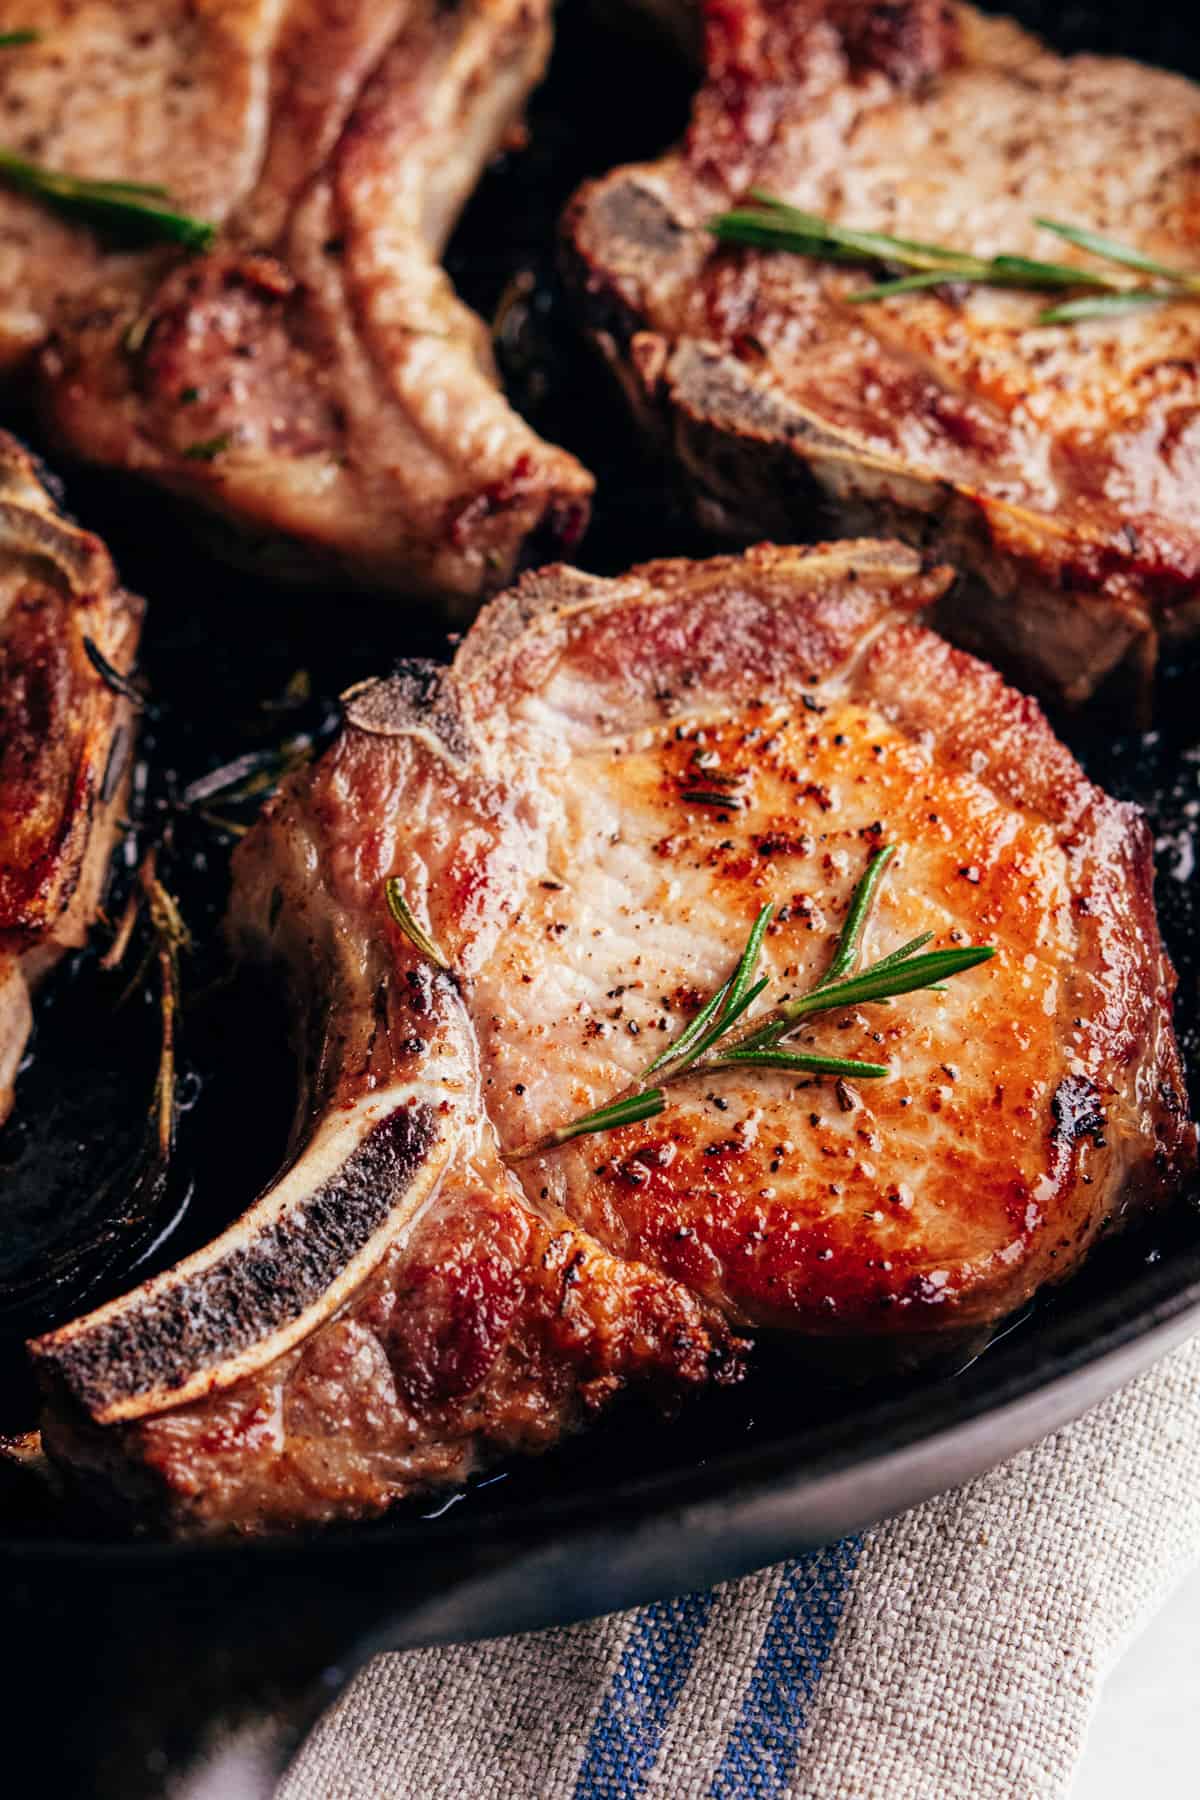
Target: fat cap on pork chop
<point>1057,466</point>
<point>406,1303</point>
<point>313,383</point>
<point>66,737</point>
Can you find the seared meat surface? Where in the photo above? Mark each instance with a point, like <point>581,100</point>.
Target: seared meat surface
<point>1058,466</point>
<point>406,1302</point>
<point>313,383</point>
<point>66,737</point>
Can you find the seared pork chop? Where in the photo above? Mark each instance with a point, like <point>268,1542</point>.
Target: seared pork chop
<point>585,813</point>
<point>313,382</point>
<point>66,737</point>
<point>1057,465</point>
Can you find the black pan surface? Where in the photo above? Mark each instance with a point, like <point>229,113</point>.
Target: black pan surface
<point>137,1644</point>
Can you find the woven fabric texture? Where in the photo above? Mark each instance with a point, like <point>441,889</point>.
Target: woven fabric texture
<point>955,1652</point>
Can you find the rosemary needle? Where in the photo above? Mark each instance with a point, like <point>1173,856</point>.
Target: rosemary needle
<point>629,1111</point>
<point>729,802</point>
<point>208,449</point>
<point>710,1042</point>
<point>413,930</point>
<point>861,902</point>
<point>770,224</point>
<point>123,204</point>
<point>112,678</point>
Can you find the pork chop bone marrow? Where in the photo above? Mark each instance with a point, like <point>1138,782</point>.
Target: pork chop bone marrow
<point>531,803</point>
<point>1053,465</point>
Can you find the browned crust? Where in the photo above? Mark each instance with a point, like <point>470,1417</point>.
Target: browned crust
<point>312,385</point>
<point>64,732</point>
<point>788,614</point>
<point>1118,1005</point>
<point>779,619</point>
<point>720,355</point>
<point>503,1332</point>
<point>498,1327</point>
<point>66,737</point>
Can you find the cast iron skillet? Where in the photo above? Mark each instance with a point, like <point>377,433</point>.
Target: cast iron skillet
<point>122,1652</point>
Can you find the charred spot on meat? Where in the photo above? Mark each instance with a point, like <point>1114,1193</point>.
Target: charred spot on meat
<point>1055,465</point>
<point>312,384</point>
<point>68,637</point>
<point>531,804</point>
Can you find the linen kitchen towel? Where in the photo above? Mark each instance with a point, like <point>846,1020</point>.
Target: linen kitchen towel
<point>955,1653</point>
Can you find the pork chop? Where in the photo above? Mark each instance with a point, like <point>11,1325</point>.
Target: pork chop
<point>1057,465</point>
<point>66,737</point>
<point>313,382</point>
<point>585,813</point>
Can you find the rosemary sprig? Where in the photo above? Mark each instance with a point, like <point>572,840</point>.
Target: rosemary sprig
<point>710,1042</point>
<point>630,1110</point>
<point>409,924</point>
<point>770,224</point>
<point>875,983</point>
<point>171,936</point>
<point>124,204</point>
<point>845,953</point>
<point>208,449</point>
<point>112,678</point>
<point>729,1002</point>
<point>727,801</point>
<point>114,956</point>
<point>251,774</point>
<point>1110,250</point>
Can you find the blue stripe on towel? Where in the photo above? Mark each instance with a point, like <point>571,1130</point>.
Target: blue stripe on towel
<point>762,1747</point>
<point>641,1697</point>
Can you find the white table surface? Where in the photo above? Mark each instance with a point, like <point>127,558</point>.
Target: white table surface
<point>1144,1741</point>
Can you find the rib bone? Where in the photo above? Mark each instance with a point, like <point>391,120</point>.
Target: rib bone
<point>286,1265</point>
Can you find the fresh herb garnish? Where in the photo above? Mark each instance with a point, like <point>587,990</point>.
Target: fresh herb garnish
<point>628,1111</point>
<point>770,224</point>
<point>171,936</point>
<point>251,774</point>
<point>112,678</point>
<point>124,204</point>
<point>710,1043</point>
<point>13,40</point>
<point>712,797</point>
<point>206,449</point>
<point>415,932</point>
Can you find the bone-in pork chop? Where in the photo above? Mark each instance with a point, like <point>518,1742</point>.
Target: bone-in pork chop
<point>66,737</point>
<point>1057,465</point>
<point>313,381</point>
<point>585,814</point>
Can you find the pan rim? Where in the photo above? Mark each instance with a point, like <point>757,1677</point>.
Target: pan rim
<point>1113,1338</point>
